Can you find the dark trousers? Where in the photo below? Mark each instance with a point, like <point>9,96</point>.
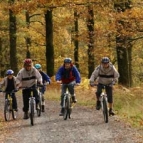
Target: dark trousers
<point>26,93</point>
<point>69,87</point>
<point>109,91</point>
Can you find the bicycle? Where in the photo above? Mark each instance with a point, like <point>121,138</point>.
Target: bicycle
<point>67,105</point>
<point>8,109</point>
<point>41,100</point>
<point>104,103</point>
<point>32,105</point>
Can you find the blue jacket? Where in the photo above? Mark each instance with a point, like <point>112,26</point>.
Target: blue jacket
<point>67,76</point>
<point>45,77</point>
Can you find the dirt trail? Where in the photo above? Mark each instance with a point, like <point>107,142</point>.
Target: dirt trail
<point>85,126</point>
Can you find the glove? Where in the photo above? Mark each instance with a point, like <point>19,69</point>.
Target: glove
<point>112,83</point>
<point>77,84</point>
<point>16,90</point>
<point>46,83</point>
<point>92,84</point>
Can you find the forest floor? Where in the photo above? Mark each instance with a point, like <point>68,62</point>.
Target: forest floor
<point>85,126</point>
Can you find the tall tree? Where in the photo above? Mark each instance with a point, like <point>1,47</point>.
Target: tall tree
<point>28,40</point>
<point>123,47</point>
<point>76,39</point>
<point>49,43</point>
<point>12,35</point>
<point>90,25</point>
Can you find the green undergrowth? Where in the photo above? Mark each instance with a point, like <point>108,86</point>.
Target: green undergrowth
<point>129,106</point>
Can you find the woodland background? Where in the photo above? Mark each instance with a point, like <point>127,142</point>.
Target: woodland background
<point>85,30</point>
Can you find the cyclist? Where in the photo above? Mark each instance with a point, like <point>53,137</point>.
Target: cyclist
<point>28,77</point>
<point>9,84</point>
<point>106,74</point>
<point>46,80</point>
<point>68,75</point>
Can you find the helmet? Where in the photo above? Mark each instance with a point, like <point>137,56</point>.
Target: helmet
<point>37,66</point>
<point>8,72</point>
<point>27,62</point>
<point>105,60</point>
<point>67,60</point>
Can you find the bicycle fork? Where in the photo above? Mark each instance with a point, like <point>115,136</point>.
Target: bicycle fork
<point>32,100</point>
<point>101,99</point>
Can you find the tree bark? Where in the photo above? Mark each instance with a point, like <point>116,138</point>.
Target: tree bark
<point>49,43</point>
<point>90,26</point>
<point>76,39</point>
<point>12,35</point>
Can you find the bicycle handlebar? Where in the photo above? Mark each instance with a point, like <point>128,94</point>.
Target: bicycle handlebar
<point>110,84</point>
<point>13,91</point>
<point>38,85</point>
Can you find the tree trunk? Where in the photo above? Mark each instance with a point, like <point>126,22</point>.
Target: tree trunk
<point>124,64</point>
<point>12,35</point>
<point>49,43</point>
<point>123,47</point>
<point>28,40</point>
<point>76,40</point>
<point>90,25</point>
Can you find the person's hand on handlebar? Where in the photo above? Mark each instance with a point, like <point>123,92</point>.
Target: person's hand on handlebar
<point>58,81</point>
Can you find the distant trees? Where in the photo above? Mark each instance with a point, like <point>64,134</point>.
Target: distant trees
<point>97,30</point>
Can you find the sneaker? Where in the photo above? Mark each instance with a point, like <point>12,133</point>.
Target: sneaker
<point>43,108</point>
<point>16,110</point>
<point>98,105</point>
<point>37,107</point>
<point>111,113</point>
<point>25,115</point>
<point>62,112</point>
<point>74,99</point>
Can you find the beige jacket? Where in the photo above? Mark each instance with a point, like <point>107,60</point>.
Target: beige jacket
<point>105,75</point>
<point>28,78</point>
<point>4,83</point>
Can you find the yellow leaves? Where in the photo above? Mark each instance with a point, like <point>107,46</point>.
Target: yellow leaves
<point>84,83</point>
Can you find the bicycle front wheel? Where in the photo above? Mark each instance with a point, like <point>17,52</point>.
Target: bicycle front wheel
<point>105,110</point>
<point>7,111</point>
<point>32,113</point>
<point>67,108</point>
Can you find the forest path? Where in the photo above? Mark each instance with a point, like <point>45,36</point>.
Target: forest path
<point>85,126</point>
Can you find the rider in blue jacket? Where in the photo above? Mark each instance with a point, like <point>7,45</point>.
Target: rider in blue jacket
<point>68,75</point>
<point>46,80</point>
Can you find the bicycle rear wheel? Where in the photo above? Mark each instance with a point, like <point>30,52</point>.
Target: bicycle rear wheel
<point>67,108</point>
<point>7,112</point>
<point>32,113</point>
<point>105,111</point>
<point>13,114</point>
<point>39,107</point>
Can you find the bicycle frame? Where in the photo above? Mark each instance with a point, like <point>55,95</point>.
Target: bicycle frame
<point>103,100</point>
<point>67,105</point>
<point>8,109</point>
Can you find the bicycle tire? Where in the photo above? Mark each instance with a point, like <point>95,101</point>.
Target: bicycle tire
<point>32,113</point>
<point>13,114</point>
<point>39,110</point>
<point>70,108</point>
<point>67,108</point>
<point>7,112</point>
<point>105,110</point>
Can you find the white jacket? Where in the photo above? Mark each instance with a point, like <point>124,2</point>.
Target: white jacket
<point>28,78</point>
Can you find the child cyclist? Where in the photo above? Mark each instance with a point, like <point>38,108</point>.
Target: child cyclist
<point>9,84</point>
<point>46,80</point>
